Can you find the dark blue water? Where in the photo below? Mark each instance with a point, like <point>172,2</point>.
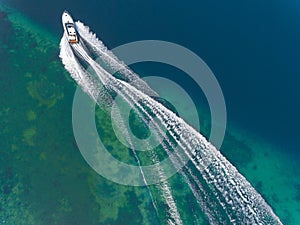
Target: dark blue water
<point>251,46</point>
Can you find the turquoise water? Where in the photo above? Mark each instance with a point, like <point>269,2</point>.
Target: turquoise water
<point>44,179</point>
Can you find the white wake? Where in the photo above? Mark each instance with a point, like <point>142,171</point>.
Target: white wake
<point>216,184</point>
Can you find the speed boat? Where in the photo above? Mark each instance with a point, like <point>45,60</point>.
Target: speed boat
<point>70,28</point>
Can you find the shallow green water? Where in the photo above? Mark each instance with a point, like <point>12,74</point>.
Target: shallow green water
<point>45,180</point>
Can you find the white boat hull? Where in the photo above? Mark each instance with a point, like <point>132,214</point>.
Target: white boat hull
<point>69,28</point>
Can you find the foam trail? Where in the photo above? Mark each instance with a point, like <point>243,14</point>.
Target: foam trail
<point>117,65</point>
<point>225,169</point>
<point>235,195</point>
<point>116,86</point>
<point>112,84</point>
<point>210,165</point>
<point>234,202</point>
<point>102,98</point>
